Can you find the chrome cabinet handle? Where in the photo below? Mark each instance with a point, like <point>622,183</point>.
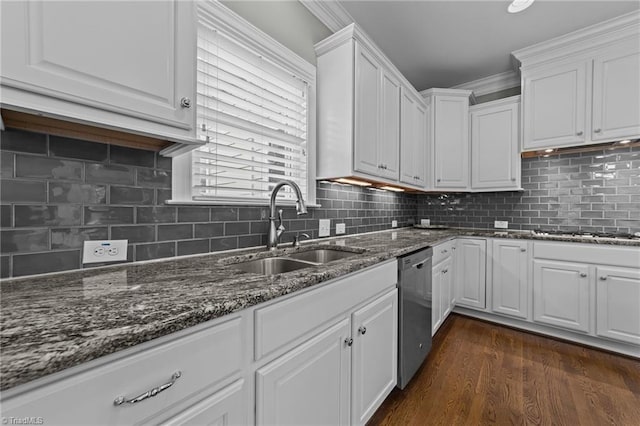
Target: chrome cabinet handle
<point>453,248</point>
<point>438,180</point>
<point>148,394</point>
<point>597,130</point>
<point>185,102</point>
<point>603,278</point>
<point>445,271</point>
<point>523,249</point>
<point>349,341</point>
<point>582,274</point>
<point>579,133</point>
<point>513,179</point>
<point>362,330</point>
<point>445,251</point>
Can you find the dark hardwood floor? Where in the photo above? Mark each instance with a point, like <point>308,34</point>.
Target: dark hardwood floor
<point>480,373</point>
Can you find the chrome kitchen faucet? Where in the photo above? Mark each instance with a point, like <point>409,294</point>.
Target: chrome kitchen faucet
<point>276,232</point>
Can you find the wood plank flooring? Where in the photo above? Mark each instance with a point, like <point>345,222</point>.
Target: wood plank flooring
<point>480,373</point>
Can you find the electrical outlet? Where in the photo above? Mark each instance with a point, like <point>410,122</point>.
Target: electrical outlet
<point>324,227</point>
<point>341,228</point>
<point>104,251</point>
<point>425,222</point>
<point>394,223</point>
<point>501,224</point>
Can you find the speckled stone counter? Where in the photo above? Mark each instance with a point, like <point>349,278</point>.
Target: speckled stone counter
<point>52,322</point>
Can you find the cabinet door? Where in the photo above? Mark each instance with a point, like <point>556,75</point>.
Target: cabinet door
<point>554,106</point>
<point>375,356</point>
<point>510,284</point>
<point>308,385</point>
<point>436,293</point>
<point>225,407</point>
<point>618,304</point>
<point>447,288</point>
<point>561,294</point>
<point>451,142</point>
<point>407,138</point>
<point>420,145</point>
<point>616,89</point>
<point>389,142</point>
<point>367,120</point>
<point>413,141</point>
<point>495,148</point>
<point>133,58</point>
<point>471,273</point>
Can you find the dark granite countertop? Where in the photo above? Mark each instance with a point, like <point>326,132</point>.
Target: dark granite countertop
<point>52,322</point>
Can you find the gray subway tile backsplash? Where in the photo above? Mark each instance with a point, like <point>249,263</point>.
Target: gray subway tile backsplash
<point>120,193</point>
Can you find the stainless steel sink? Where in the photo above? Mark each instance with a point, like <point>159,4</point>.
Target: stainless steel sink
<point>272,265</point>
<point>321,255</point>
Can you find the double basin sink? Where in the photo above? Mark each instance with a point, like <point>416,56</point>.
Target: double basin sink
<point>293,261</point>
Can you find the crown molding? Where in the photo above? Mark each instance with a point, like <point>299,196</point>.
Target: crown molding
<point>330,13</point>
<point>446,92</point>
<point>497,103</point>
<point>493,83</point>
<point>586,39</point>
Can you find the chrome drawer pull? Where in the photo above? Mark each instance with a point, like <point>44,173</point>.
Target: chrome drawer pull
<point>362,330</point>
<point>153,392</point>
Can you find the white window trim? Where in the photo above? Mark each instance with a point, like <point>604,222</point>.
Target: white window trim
<point>227,21</point>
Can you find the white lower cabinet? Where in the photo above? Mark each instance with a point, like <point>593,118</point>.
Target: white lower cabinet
<point>443,292</point>
<point>193,364</point>
<point>374,358</point>
<point>561,294</point>
<point>471,258</point>
<point>618,308</point>
<point>225,407</point>
<point>510,289</point>
<point>309,384</point>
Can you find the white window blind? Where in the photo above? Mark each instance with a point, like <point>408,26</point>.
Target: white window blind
<point>253,116</point>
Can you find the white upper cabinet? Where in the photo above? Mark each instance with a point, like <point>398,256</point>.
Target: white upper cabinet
<point>124,65</point>
<point>495,148</point>
<point>413,140</point>
<point>389,143</point>
<point>616,93</point>
<point>582,88</point>
<point>361,112</point>
<point>448,138</point>
<point>367,97</point>
<point>555,106</point>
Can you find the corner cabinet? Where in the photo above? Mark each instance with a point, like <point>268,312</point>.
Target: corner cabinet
<point>362,127</point>
<point>495,145</point>
<point>582,88</point>
<point>448,138</point>
<point>92,62</point>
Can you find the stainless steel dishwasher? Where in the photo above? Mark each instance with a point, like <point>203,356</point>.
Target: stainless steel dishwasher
<point>414,287</point>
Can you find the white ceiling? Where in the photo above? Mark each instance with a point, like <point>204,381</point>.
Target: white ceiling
<point>446,43</point>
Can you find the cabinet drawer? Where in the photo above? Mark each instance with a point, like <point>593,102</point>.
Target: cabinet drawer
<point>442,251</point>
<point>588,253</point>
<point>203,358</point>
<point>283,322</point>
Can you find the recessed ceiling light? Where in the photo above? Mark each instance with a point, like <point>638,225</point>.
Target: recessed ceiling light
<point>519,5</point>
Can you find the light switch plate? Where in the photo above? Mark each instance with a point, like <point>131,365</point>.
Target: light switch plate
<point>104,251</point>
<point>394,223</point>
<point>501,224</point>
<point>324,227</point>
<point>425,222</point>
<point>341,228</point>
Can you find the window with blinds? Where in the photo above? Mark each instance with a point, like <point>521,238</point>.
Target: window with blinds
<point>253,116</point>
